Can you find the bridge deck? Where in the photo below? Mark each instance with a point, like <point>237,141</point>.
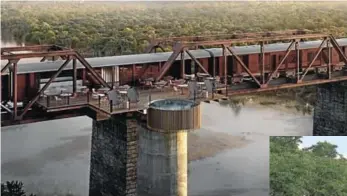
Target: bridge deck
<point>103,106</point>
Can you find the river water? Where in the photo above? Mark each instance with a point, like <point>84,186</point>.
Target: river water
<point>53,157</point>
<point>228,156</point>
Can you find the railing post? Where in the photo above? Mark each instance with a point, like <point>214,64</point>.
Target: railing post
<point>48,101</point>
<point>111,106</point>
<point>129,103</point>
<point>195,94</point>
<point>150,95</point>
<point>68,100</point>
<point>88,97</point>
<point>99,101</point>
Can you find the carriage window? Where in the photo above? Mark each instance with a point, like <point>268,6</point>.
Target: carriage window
<point>310,56</point>
<point>293,59</point>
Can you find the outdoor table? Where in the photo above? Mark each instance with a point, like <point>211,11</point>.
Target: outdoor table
<point>123,92</point>
<point>80,88</point>
<point>203,74</point>
<point>160,83</point>
<point>149,79</point>
<point>101,95</point>
<point>103,90</point>
<point>181,86</point>
<point>60,89</point>
<point>66,95</point>
<point>52,93</point>
<point>200,83</point>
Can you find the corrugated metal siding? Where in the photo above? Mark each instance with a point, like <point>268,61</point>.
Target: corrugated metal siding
<point>171,121</point>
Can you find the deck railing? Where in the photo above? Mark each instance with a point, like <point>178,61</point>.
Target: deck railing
<point>106,105</point>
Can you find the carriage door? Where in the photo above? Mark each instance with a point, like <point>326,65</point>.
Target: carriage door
<point>273,62</point>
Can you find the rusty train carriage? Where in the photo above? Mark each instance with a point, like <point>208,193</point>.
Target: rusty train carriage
<point>255,64</point>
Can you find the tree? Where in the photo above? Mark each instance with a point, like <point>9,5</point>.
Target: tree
<point>324,149</point>
<point>314,171</point>
<point>86,26</point>
<point>284,143</point>
<point>13,188</point>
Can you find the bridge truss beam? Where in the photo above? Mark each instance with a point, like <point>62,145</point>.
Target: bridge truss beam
<point>15,54</point>
<point>182,47</point>
<point>170,41</point>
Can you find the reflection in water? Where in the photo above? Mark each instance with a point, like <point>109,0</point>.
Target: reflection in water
<point>236,105</point>
<point>304,109</point>
<point>232,148</point>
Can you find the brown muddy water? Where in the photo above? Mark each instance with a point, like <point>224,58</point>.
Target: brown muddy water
<point>228,156</point>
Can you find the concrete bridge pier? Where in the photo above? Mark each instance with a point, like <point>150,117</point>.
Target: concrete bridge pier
<point>330,114</point>
<point>163,160</point>
<point>163,163</point>
<point>113,165</point>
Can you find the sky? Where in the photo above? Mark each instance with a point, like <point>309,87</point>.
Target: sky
<point>340,141</point>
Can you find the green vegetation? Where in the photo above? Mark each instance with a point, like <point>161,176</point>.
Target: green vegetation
<point>16,188</point>
<point>111,28</point>
<point>13,188</point>
<point>313,171</point>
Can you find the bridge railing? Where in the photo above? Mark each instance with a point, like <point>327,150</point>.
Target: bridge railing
<point>145,97</point>
<point>63,100</point>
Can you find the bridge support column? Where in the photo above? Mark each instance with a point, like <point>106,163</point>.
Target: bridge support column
<point>330,115</point>
<point>113,167</point>
<point>162,167</point>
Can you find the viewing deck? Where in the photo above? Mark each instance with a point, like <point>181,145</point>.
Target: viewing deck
<point>103,105</point>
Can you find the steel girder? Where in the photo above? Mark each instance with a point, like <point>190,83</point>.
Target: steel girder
<point>161,42</point>
<point>181,47</point>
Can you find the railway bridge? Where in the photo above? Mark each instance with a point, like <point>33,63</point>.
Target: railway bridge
<point>117,92</point>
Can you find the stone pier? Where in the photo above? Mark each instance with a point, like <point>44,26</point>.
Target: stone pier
<point>113,166</point>
<point>330,114</point>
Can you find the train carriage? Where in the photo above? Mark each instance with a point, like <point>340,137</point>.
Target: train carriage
<point>129,68</point>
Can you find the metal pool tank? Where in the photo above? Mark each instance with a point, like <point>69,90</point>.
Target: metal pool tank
<point>171,115</point>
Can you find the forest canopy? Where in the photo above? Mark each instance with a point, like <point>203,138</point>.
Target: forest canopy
<point>114,28</point>
<point>318,170</point>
